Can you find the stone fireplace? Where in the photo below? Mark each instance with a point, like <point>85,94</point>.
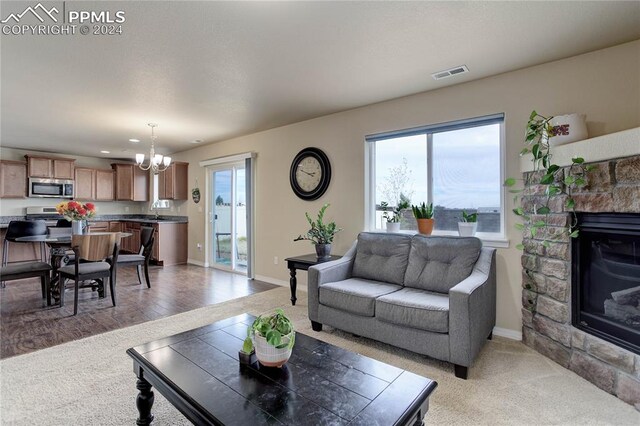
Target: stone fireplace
<point>605,278</point>
<point>582,338</point>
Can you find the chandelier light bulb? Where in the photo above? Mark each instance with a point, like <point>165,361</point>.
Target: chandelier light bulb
<point>157,162</point>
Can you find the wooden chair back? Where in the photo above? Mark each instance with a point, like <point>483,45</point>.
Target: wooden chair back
<point>96,246</point>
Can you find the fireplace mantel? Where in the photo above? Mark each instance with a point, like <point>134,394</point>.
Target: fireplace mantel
<point>614,145</point>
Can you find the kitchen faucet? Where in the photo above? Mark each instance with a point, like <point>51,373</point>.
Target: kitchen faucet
<point>155,206</point>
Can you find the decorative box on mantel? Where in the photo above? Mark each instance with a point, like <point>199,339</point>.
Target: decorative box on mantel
<point>559,320</point>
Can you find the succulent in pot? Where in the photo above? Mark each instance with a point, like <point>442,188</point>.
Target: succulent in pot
<point>424,216</point>
<point>272,337</point>
<point>320,234</point>
<point>469,224</point>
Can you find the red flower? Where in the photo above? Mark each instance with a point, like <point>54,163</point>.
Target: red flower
<point>81,211</point>
<point>90,206</point>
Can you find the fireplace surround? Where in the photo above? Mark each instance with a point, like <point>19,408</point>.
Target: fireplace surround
<point>551,324</point>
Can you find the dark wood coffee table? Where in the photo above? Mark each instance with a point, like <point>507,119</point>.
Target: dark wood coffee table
<point>199,373</point>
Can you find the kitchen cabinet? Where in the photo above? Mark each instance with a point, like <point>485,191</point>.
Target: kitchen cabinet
<point>99,226</point>
<point>94,184</point>
<point>84,183</point>
<point>20,252</point>
<point>13,179</point>
<point>132,183</point>
<point>104,185</point>
<point>170,244</point>
<point>49,167</point>
<point>173,182</point>
<point>131,244</point>
<point>115,227</point>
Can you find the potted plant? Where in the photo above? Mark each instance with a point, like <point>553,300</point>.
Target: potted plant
<point>554,180</point>
<point>272,337</point>
<point>321,234</point>
<point>393,219</point>
<point>469,224</point>
<point>424,215</point>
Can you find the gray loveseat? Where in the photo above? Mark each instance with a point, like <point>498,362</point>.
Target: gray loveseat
<point>433,295</point>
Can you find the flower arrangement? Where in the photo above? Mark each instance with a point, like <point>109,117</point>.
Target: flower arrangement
<point>74,210</point>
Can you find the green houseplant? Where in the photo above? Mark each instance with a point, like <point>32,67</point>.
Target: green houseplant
<point>424,216</point>
<point>272,337</point>
<point>393,215</point>
<point>320,234</point>
<point>469,224</point>
<point>547,183</point>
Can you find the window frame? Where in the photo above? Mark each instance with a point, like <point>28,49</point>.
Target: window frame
<point>491,239</point>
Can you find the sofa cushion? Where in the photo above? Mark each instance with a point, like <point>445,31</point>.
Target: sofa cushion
<point>415,308</point>
<point>439,263</point>
<point>382,257</point>
<point>355,295</point>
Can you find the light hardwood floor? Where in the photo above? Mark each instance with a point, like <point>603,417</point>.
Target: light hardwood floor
<point>27,324</point>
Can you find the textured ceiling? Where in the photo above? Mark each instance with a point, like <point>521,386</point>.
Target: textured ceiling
<point>211,71</point>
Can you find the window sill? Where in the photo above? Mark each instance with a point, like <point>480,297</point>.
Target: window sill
<point>487,240</point>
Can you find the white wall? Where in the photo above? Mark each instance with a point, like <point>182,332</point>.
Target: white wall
<point>604,85</point>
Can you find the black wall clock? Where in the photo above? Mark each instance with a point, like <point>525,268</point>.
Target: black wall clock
<point>310,174</point>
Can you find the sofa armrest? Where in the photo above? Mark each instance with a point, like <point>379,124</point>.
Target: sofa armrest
<point>328,272</point>
<point>472,310</point>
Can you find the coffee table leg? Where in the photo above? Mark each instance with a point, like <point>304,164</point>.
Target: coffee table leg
<point>144,402</point>
<point>293,283</point>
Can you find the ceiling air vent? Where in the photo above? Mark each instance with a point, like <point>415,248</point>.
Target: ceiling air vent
<point>448,73</point>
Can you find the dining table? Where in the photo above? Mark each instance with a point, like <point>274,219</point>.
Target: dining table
<point>59,246</point>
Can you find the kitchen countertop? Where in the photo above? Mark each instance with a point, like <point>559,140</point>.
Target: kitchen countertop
<point>140,218</point>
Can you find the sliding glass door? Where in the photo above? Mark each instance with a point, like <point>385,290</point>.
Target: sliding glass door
<point>229,217</point>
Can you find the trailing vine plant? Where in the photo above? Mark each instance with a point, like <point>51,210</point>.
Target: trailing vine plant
<point>557,182</point>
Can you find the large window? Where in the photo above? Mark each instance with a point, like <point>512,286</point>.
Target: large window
<point>456,166</point>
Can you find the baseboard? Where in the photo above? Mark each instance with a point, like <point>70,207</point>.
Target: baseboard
<point>272,280</point>
<point>198,263</point>
<point>509,334</point>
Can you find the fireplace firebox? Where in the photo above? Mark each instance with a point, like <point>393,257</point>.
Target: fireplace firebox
<point>606,278</point>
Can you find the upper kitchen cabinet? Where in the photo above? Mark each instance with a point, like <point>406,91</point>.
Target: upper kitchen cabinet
<point>105,185</point>
<point>84,185</point>
<point>48,167</point>
<point>94,184</point>
<point>173,182</point>
<point>132,183</point>
<point>13,179</point>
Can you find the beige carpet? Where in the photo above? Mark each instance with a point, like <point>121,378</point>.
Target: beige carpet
<point>91,381</point>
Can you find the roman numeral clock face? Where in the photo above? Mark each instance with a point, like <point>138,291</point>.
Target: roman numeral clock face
<point>310,174</point>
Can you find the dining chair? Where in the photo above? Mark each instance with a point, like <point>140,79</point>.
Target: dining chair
<point>90,264</point>
<point>141,259</point>
<point>19,271</point>
<point>23,228</point>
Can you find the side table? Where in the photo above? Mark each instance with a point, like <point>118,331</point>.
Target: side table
<point>303,263</point>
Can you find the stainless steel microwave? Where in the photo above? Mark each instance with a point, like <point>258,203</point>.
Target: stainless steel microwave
<point>50,188</point>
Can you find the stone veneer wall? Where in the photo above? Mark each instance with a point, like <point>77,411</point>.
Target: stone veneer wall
<point>613,186</point>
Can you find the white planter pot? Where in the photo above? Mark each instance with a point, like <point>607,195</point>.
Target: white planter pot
<point>268,355</point>
<point>393,226</point>
<point>467,229</point>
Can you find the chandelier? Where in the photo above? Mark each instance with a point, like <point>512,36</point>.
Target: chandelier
<point>157,162</point>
